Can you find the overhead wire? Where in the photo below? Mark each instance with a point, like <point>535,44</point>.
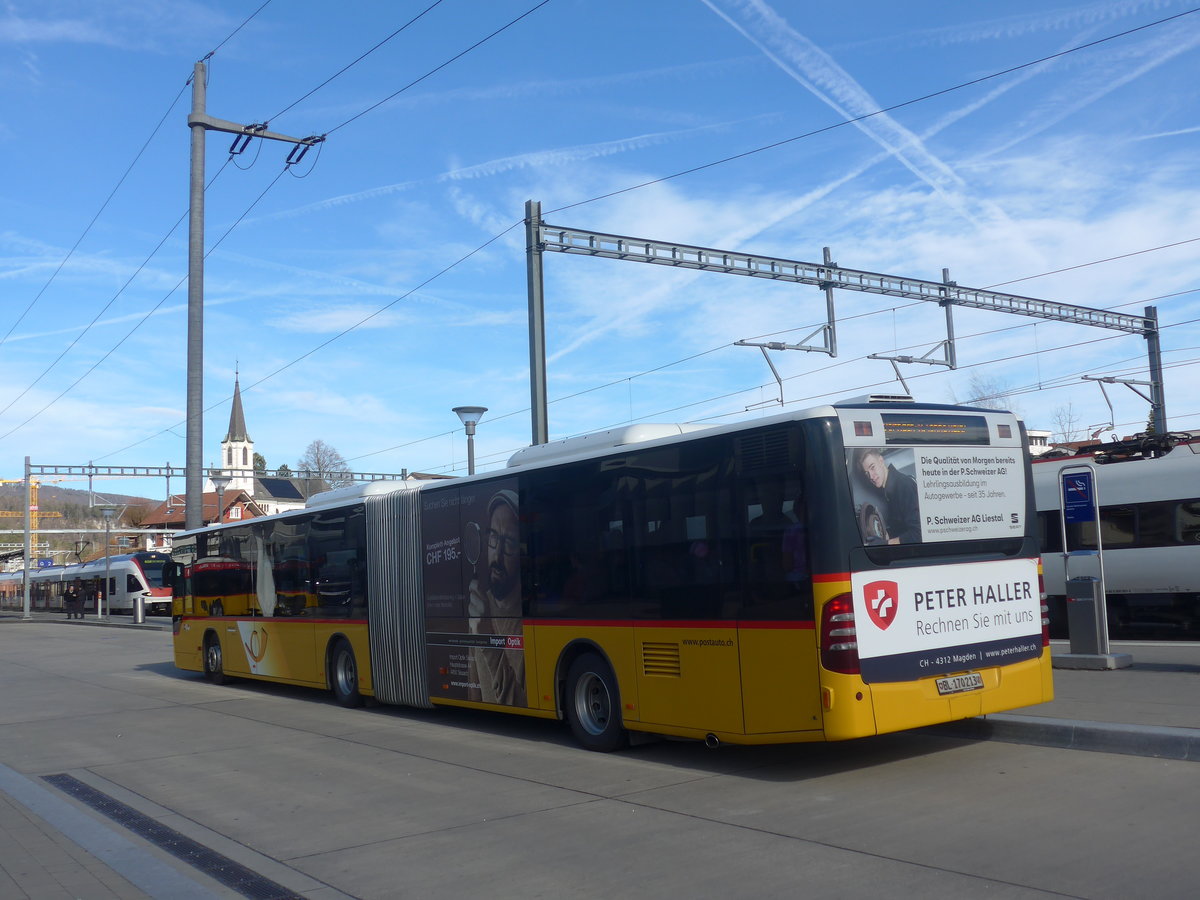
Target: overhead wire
<point>878,112</point>
<point>87,229</point>
<point>245,22</point>
<point>842,390</point>
<point>145,318</point>
<point>327,81</point>
<point>1094,262</point>
<point>775,144</point>
<point>344,69</point>
<point>137,157</point>
<point>253,384</point>
<point>737,392</point>
<point>121,181</point>
<point>679,174</point>
<point>438,68</point>
<point>79,337</point>
<point>806,374</point>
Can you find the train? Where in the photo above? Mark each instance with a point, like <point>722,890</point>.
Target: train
<point>1148,491</point>
<point>130,575</point>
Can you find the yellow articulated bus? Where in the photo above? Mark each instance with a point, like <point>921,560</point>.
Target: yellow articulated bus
<point>843,571</point>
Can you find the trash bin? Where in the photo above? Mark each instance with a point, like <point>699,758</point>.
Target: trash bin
<point>139,610</point>
<point>1082,614</point>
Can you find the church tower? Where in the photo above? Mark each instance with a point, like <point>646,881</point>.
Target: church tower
<point>237,449</point>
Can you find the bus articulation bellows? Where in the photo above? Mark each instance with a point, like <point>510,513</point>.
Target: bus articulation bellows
<point>839,572</point>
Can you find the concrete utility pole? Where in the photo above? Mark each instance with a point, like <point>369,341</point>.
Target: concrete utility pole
<point>200,122</point>
<point>28,538</point>
<point>537,323</point>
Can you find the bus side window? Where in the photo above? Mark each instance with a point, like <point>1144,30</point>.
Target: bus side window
<point>682,517</point>
<point>773,522</point>
<point>336,548</point>
<point>573,524</point>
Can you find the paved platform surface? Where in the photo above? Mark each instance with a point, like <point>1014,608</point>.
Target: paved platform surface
<point>1152,709</point>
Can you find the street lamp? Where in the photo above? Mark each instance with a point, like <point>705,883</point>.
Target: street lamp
<point>470,416</point>
<point>220,482</point>
<point>108,510</point>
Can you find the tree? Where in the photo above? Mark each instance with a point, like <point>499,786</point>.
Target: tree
<point>989,392</point>
<point>323,461</point>
<point>260,464</point>
<point>136,513</point>
<point>1067,425</point>
<point>283,471</point>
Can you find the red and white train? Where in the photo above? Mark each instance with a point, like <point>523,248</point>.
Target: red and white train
<point>130,576</point>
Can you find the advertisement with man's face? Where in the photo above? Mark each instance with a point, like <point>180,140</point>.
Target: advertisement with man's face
<point>924,478</point>
<point>472,576</point>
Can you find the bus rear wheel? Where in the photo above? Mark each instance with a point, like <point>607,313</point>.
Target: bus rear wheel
<point>214,669</point>
<point>343,675</point>
<point>593,705</point>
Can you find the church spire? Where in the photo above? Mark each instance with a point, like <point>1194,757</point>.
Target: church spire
<point>237,419</point>
<point>237,450</point>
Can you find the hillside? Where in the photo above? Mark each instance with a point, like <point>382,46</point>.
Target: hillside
<point>75,513</point>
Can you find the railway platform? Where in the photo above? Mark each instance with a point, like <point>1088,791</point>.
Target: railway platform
<point>1151,708</point>
<point>151,623</point>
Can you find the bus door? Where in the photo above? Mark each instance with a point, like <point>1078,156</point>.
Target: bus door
<point>778,643</point>
<point>279,640</point>
<point>684,597</point>
<point>222,590</point>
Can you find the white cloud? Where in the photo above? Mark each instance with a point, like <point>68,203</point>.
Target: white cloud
<point>537,159</point>
<point>1163,134</point>
<point>816,71</point>
<point>1020,25</point>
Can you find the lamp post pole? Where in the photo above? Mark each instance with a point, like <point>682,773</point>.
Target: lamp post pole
<point>470,416</point>
<point>220,482</point>
<point>102,597</point>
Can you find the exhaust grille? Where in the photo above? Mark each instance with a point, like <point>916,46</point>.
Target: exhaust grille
<point>661,659</point>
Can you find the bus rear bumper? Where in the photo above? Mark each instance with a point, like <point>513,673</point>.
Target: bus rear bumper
<point>859,711</point>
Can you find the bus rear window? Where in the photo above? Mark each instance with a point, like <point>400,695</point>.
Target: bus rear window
<point>936,494</point>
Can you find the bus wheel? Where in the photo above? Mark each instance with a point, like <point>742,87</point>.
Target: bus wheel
<point>593,705</point>
<point>214,670</point>
<point>343,675</point>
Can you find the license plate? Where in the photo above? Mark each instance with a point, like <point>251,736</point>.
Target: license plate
<point>956,684</point>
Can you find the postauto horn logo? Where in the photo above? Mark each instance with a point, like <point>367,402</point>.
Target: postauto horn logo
<point>882,599</point>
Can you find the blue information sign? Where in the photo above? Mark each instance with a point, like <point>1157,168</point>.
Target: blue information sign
<point>1078,499</point>
<point>44,563</point>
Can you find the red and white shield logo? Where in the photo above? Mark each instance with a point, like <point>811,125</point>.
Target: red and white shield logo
<point>882,598</point>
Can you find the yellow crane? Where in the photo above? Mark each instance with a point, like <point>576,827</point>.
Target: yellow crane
<point>35,514</point>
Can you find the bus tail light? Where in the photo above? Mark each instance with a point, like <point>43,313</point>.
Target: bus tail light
<point>839,638</point>
<point>1045,608</point>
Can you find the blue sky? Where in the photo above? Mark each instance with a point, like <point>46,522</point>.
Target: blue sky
<point>326,293</point>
